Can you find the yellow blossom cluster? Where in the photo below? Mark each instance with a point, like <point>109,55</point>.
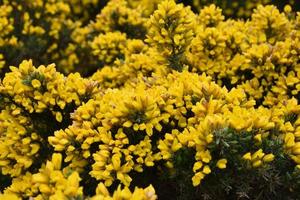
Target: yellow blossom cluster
<point>258,158</point>
<point>55,182</point>
<point>6,26</point>
<point>210,16</point>
<point>236,8</point>
<point>116,129</point>
<point>34,29</point>
<point>259,55</point>
<point>46,29</point>
<point>50,182</point>
<point>138,64</point>
<point>149,93</point>
<point>215,120</point>
<point>103,39</point>
<point>171,29</point>
<point>30,97</point>
<point>117,126</point>
<point>38,89</point>
<point>286,115</point>
<point>109,47</point>
<point>117,15</point>
<point>138,194</point>
<point>19,142</point>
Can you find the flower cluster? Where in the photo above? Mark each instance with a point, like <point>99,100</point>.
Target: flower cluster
<point>171,29</point>
<point>259,55</point>
<point>240,9</point>
<point>149,94</point>
<point>34,103</point>
<point>53,182</point>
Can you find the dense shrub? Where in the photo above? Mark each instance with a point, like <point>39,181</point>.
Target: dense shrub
<point>149,99</point>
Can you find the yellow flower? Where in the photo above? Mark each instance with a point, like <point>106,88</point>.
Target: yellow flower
<point>102,190</point>
<point>268,158</point>
<point>197,166</point>
<point>257,155</point>
<point>72,185</point>
<point>40,178</point>
<point>150,193</point>
<point>205,156</point>
<point>257,163</point>
<point>58,117</point>
<point>247,156</point>
<point>9,197</point>
<point>206,169</point>
<point>56,161</point>
<point>258,137</point>
<point>222,163</point>
<point>197,178</point>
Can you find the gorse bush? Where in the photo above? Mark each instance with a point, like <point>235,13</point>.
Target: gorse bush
<point>149,99</point>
